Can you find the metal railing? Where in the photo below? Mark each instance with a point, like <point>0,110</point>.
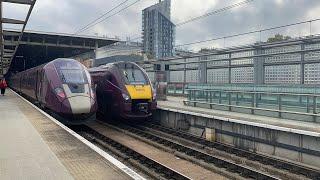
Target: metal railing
<point>275,104</point>
<point>279,79</point>
<point>296,61</point>
<point>177,89</point>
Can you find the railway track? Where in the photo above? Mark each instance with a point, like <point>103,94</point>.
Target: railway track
<point>147,165</point>
<point>214,163</point>
<point>253,158</point>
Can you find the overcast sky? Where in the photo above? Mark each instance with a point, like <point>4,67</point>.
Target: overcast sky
<point>67,16</point>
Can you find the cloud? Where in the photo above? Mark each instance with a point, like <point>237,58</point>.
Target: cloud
<point>182,10</point>
<point>253,16</point>
<point>68,15</point>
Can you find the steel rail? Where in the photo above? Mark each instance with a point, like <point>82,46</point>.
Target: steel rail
<point>267,160</point>
<point>238,169</point>
<point>161,170</point>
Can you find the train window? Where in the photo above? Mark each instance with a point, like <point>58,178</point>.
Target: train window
<point>134,76</point>
<point>73,76</point>
<point>109,77</point>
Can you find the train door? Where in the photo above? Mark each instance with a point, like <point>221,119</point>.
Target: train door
<point>101,94</point>
<point>43,83</point>
<point>36,85</point>
<point>109,94</point>
<point>104,94</point>
<point>39,85</point>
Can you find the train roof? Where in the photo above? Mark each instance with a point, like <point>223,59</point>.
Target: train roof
<point>109,65</point>
<point>44,64</point>
<point>63,59</point>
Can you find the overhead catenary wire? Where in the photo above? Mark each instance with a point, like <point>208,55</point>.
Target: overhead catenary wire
<point>214,12</point>
<point>103,19</point>
<point>95,20</point>
<point>249,32</point>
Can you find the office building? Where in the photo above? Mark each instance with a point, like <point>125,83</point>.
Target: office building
<point>158,31</point>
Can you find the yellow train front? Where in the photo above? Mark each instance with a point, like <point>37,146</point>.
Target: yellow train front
<point>123,90</point>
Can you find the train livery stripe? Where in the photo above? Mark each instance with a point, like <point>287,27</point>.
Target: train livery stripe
<point>80,103</point>
<point>105,155</point>
<point>139,91</point>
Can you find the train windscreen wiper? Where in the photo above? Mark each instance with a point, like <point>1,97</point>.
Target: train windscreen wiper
<point>132,74</point>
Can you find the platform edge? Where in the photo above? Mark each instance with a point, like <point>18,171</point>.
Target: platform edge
<point>98,150</point>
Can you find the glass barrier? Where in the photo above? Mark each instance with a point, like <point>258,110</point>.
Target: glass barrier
<point>176,89</point>
<point>291,102</point>
<point>300,89</point>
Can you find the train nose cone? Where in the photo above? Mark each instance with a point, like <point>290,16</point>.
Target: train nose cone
<point>80,104</point>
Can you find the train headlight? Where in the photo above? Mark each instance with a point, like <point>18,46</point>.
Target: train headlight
<point>125,97</point>
<point>60,93</point>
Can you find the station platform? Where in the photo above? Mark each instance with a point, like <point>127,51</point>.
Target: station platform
<point>290,140</point>
<point>34,146</point>
<point>299,127</point>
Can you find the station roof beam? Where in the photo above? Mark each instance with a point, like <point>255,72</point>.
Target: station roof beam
<point>26,2</point>
<point>8,50</point>
<point>6,55</point>
<point>12,21</point>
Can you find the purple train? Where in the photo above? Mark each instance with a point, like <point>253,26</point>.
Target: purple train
<point>124,90</point>
<point>62,86</point>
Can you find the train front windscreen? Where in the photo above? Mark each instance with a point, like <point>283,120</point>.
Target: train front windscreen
<point>136,82</point>
<point>73,75</point>
<point>134,76</point>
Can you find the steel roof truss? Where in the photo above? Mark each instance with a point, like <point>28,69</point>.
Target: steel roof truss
<point>11,33</point>
<point>7,54</point>
<point>12,21</point>
<point>28,2</point>
<point>8,50</point>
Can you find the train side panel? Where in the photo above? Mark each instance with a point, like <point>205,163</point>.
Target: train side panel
<point>14,83</point>
<point>62,86</point>
<point>28,84</point>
